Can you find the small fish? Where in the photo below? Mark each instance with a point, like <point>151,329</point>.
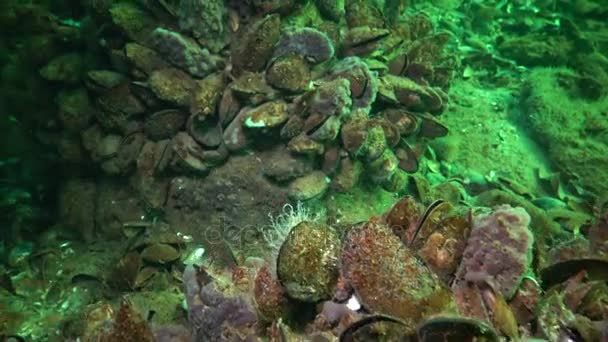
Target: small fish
<point>70,22</point>
<point>13,119</point>
<point>234,20</point>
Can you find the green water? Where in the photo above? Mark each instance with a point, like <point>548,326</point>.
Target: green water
<point>226,170</point>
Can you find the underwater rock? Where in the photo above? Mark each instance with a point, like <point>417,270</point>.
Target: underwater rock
<point>115,203</point>
<point>283,166</point>
<point>307,42</point>
<point>234,194</point>
<point>184,53</point>
<point>307,264</point>
<point>76,207</point>
<point>310,186</point>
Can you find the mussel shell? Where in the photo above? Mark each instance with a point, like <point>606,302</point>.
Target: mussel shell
<point>398,65</point>
<point>100,80</point>
<point>129,149</point>
<point>328,130</point>
<point>293,127</point>
<point>391,131</point>
<point>108,146</point>
<point>408,160</point>
<point>142,91</point>
<point>455,329</point>
<point>363,40</point>
<point>431,128</point>
<point>164,156</point>
<point>228,108</point>
<point>403,218</point>
<point>160,253</point>
<point>164,124</point>
<point>406,122</point>
<point>432,214</point>
<point>206,132</point>
<point>307,264</point>
<point>555,274</point>
<point>350,333</point>
<point>419,72</point>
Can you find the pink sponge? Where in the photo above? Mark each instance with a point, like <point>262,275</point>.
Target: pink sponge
<point>499,250</point>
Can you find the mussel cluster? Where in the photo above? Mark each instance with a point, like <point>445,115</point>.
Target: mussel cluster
<point>442,273</point>
<point>190,83</point>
